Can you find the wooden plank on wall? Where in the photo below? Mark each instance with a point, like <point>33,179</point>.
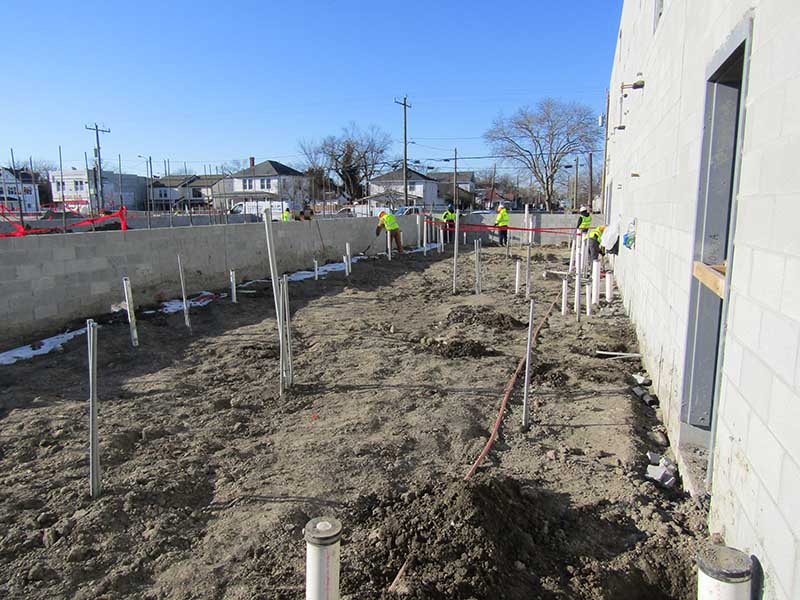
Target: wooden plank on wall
<point>710,276</point>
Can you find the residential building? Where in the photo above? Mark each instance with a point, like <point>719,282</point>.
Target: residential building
<point>419,185</point>
<point>78,189</point>
<point>20,185</point>
<point>466,181</point>
<point>270,180</point>
<point>703,137</point>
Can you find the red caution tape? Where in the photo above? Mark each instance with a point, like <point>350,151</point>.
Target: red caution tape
<point>20,231</point>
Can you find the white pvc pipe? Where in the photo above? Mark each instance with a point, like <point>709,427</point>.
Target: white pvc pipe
<point>571,256</point>
<point>577,303</point>
<point>595,282</point>
<point>131,310</point>
<point>183,294</point>
<point>349,257</point>
<point>517,276</point>
<point>287,331</point>
<point>564,285</point>
<point>724,573</point>
<point>525,397</point>
<point>527,224</point>
<point>346,268</point>
<point>528,274</point>
<point>94,444</point>
<point>588,300</point>
<point>388,245</point>
<point>323,536</point>
<point>425,240</point>
<point>232,275</point>
<point>316,270</point>
<point>455,252</point>
<point>419,229</point>
<point>609,286</point>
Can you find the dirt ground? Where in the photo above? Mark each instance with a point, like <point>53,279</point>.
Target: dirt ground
<point>209,476</point>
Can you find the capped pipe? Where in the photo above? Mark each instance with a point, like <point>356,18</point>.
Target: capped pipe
<point>723,573</point>
<point>233,286</point>
<point>564,286</point>
<point>609,286</point>
<point>517,276</point>
<point>323,541</point>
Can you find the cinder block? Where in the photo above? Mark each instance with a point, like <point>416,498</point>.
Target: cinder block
<point>779,545</point>
<point>99,287</point>
<point>784,417</point>
<point>779,341</point>
<point>44,311</point>
<point>746,322</point>
<point>765,454</point>
<point>766,279</point>
<point>64,253</point>
<point>756,383</point>
<point>789,494</point>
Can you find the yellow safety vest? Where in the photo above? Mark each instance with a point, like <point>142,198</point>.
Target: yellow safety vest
<point>586,222</point>
<point>596,234</point>
<point>448,216</point>
<point>502,218</point>
<point>389,222</point>
<point>287,216</point>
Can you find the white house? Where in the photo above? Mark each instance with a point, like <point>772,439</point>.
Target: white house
<point>19,185</point>
<point>466,181</point>
<point>419,185</point>
<point>77,188</point>
<point>702,144</point>
<point>270,180</point>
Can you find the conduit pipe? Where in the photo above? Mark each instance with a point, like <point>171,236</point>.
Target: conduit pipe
<point>609,286</point>
<point>595,282</point>
<point>455,251</point>
<point>517,276</point>
<point>724,573</point>
<point>232,277</point>
<point>588,300</point>
<point>564,292</point>
<point>130,309</point>
<point>506,395</point>
<point>525,395</point>
<point>323,542</point>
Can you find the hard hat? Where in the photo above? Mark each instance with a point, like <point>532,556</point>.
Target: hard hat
<point>603,227</point>
<point>382,213</point>
<point>583,208</point>
<point>450,206</point>
<point>500,205</point>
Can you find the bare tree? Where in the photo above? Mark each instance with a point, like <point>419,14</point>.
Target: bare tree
<point>354,156</point>
<point>541,138</point>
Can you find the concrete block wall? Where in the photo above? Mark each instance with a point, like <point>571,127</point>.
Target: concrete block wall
<point>540,220</point>
<point>653,175</point>
<point>47,280</point>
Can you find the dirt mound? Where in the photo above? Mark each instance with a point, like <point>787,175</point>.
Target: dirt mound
<point>488,317</point>
<point>498,538</point>
<point>549,373</point>
<point>461,348</point>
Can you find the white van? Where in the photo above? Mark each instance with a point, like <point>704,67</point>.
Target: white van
<point>257,207</point>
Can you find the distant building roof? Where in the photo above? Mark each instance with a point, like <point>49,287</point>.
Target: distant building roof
<point>447,176</point>
<point>268,168</point>
<point>204,180</point>
<point>397,175</point>
<point>173,181</point>
<point>24,176</point>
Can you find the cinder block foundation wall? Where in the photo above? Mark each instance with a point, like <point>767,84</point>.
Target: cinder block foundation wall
<point>653,177</point>
<point>540,221</point>
<point>48,280</point>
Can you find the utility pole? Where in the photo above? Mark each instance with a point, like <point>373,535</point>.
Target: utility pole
<point>99,161</point>
<point>405,106</point>
<point>88,187</point>
<point>591,187</point>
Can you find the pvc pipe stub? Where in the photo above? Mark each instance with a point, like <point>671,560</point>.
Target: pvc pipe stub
<point>323,531</point>
<point>724,563</point>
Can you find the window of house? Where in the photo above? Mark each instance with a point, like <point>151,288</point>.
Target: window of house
<point>263,183</point>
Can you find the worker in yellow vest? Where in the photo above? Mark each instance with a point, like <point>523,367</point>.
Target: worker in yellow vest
<point>584,221</point>
<point>389,223</point>
<point>286,216</point>
<point>501,221</point>
<point>449,220</point>
<point>596,242</point>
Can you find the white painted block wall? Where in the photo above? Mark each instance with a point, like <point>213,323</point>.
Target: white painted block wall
<point>756,481</point>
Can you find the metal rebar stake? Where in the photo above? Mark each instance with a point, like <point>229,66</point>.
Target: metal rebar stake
<point>517,276</point>
<point>349,257</point>
<point>526,395</point>
<point>233,286</point>
<point>183,294</point>
<point>528,274</point>
<point>564,292</point>
<point>130,309</point>
<point>425,240</point>
<point>287,314</point>
<point>455,252</point>
<point>94,446</point>
<point>316,270</point>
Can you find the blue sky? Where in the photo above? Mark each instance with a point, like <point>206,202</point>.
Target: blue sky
<point>208,82</point>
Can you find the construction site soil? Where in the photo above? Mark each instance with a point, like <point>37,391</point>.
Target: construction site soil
<point>209,476</point>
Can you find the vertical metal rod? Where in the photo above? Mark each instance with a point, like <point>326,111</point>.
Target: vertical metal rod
<point>288,331</point>
<point>88,187</point>
<point>95,475</point>
<point>130,308</point>
<point>388,245</point>
<point>441,241</point>
<point>169,194</point>
<point>183,294</point>
<point>316,270</point>
<point>578,295</point>
<point>564,288</point>
<point>419,229</point>
<point>526,395</point>
<point>455,252</point>
<point>349,258</point>
<point>233,286</point>
<point>480,272</point>
<point>528,273</point>
<point>425,240</point>
<point>276,291</point>
<point>517,276</point>
<point>283,383</point>
<point>475,254</point>
<point>346,267</point>
<point>63,203</point>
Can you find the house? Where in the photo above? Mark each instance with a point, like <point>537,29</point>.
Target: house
<point>270,180</point>
<point>167,191</point>
<point>702,137</point>
<point>419,185</point>
<point>20,184</point>
<point>466,181</point>
<point>77,188</point>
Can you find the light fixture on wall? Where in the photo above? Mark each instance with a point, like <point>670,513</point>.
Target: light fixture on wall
<point>636,85</point>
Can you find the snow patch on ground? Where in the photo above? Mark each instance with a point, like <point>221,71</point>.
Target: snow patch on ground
<point>37,349</point>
